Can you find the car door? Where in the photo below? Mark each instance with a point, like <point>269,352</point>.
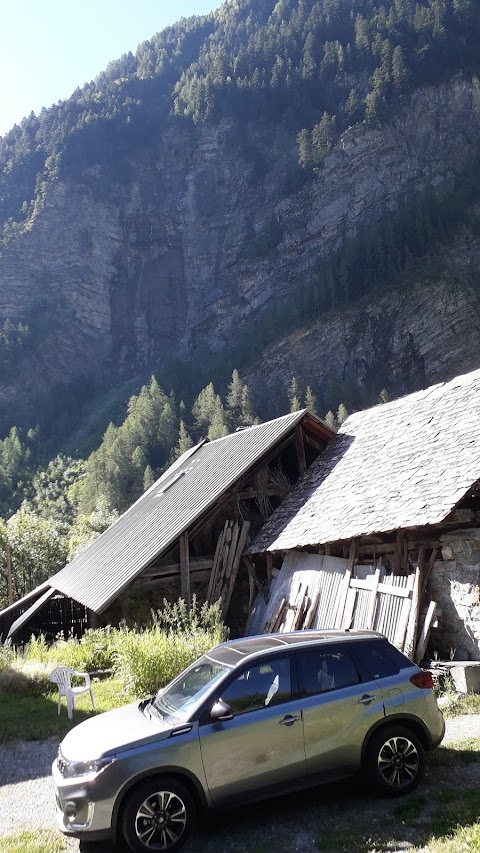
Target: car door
<point>338,706</point>
<point>262,745</point>
<point>393,671</point>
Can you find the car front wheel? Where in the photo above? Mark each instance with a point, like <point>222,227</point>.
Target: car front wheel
<point>395,761</point>
<point>158,815</point>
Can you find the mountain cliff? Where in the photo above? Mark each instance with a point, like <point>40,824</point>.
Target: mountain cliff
<point>202,217</point>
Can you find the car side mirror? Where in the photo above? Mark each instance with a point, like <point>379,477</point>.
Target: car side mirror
<point>221,712</point>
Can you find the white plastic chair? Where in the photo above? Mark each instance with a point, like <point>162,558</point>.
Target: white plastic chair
<point>62,676</point>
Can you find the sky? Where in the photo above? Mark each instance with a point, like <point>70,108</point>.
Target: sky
<point>49,47</point>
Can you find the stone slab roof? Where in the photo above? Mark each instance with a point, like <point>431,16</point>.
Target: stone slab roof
<point>404,464</point>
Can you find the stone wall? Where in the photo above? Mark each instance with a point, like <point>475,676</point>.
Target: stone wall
<point>455,585</point>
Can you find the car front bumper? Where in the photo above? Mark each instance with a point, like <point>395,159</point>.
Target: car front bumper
<point>81,810</point>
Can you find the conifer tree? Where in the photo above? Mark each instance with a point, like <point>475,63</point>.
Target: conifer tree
<point>342,414</point>
<point>294,395</point>
<point>310,400</point>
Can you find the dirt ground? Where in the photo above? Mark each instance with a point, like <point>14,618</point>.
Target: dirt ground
<point>343,816</point>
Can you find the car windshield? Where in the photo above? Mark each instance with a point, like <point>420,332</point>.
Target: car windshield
<point>176,700</point>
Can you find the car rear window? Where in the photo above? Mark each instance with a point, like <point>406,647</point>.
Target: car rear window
<point>381,659</point>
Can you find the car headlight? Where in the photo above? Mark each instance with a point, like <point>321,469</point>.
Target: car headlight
<point>70,769</point>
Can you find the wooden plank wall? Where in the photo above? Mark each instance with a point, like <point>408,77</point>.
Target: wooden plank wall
<point>319,591</point>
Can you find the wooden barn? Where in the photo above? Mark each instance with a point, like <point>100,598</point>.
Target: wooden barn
<point>383,530</point>
<point>185,535</point>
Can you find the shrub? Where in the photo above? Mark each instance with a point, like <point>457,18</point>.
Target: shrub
<point>93,651</point>
<point>145,662</point>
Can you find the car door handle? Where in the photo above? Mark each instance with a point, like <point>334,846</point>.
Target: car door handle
<point>289,720</point>
<point>366,699</point>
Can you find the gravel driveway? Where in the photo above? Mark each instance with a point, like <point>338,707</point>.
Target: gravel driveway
<point>27,798</point>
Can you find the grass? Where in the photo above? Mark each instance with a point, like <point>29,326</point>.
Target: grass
<point>461,703</point>
<point>30,717</point>
<point>37,841</point>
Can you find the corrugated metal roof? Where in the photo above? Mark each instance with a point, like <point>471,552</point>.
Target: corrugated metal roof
<point>25,617</point>
<point>189,487</point>
<point>400,465</point>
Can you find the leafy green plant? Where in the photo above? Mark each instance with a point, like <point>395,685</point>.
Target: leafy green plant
<point>146,661</point>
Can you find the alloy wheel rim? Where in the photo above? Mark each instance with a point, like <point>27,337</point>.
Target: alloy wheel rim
<point>398,761</point>
<point>160,820</point>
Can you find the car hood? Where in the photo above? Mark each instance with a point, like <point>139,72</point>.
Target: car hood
<point>113,732</point>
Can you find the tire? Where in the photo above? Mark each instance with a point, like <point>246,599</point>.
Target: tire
<point>158,815</point>
<point>395,761</point>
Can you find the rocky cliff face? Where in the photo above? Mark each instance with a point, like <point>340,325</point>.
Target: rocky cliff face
<point>159,264</point>
<point>403,340</point>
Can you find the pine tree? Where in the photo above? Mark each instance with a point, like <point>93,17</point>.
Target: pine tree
<point>184,442</point>
<point>342,414</point>
<point>330,420</point>
<point>310,400</point>
<point>294,395</point>
<point>148,478</point>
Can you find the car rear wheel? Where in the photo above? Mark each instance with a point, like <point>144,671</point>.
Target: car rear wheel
<point>158,815</point>
<point>395,761</point>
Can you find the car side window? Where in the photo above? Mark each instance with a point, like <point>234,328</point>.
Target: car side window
<point>324,670</point>
<point>261,686</point>
<point>381,659</point>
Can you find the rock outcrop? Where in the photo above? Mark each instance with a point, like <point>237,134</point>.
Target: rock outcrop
<point>159,263</point>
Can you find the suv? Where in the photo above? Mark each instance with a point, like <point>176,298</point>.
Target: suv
<point>252,718</point>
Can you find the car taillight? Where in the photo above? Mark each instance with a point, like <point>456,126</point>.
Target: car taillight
<point>423,679</point>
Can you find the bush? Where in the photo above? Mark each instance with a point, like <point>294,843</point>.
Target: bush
<point>93,651</point>
<point>147,661</point>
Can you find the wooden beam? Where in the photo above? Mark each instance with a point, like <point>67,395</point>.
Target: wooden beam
<point>300,449</point>
<point>185,569</point>
<point>398,553</point>
<point>158,583</point>
<point>269,565</point>
<point>252,494</point>
<point>242,541</point>
<point>165,569</point>
<point>425,633</point>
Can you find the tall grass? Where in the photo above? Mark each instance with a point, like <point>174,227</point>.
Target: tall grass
<point>143,660</point>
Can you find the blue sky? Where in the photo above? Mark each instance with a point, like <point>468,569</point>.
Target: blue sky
<point>49,47</point>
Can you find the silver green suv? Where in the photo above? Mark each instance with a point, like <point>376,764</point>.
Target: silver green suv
<point>250,719</point>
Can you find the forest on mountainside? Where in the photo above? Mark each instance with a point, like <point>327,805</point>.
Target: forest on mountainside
<point>317,66</point>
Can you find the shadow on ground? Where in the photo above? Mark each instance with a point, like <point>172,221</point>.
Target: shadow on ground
<point>345,817</point>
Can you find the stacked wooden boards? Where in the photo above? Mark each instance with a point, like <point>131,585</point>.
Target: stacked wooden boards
<point>226,561</point>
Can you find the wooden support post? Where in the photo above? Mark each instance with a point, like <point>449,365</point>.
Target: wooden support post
<point>433,557</point>
<point>425,633</point>
<point>300,448</point>
<point>398,554</point>
<point>399,639</point>
<point>9,574</point>
<point>185,569</point>
<point>372,605</point>
<point>269,566</point>
<point>343,594</point>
